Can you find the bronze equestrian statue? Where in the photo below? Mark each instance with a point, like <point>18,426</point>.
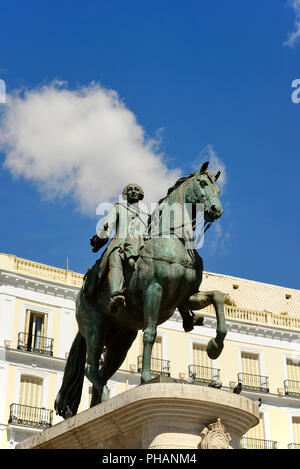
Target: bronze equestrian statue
<point>165,275</point>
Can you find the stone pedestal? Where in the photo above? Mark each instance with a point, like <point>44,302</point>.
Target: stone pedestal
<point>155,415</point>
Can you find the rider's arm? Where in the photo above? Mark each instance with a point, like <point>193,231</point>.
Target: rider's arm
<point>105,230</point>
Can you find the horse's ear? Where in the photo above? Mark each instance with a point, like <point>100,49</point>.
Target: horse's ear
<point>204,167</point>
<point>217,175</point>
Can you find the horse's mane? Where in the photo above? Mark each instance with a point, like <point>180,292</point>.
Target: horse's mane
<point>175,186</point>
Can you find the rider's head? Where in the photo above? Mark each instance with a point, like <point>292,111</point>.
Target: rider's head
<point>133,192</point>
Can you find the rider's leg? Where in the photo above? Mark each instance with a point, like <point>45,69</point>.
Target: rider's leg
<point>115,275</point>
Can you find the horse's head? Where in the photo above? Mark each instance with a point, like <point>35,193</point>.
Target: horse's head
<point>208,193</point>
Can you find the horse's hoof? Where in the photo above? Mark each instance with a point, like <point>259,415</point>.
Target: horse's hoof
<point>214,349</point>
<point>198,321</point>
<point>105,394</point>
<point>188,324</point>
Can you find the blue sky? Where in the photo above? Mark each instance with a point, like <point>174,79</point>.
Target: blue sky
<point>193,76</point>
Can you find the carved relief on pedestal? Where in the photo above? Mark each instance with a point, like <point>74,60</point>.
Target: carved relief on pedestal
<point>214,437</point>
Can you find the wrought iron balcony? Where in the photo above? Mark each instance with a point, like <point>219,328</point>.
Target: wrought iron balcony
<point>292,388</point>
<point>294,446</point>
<point>204,374</point>
<point>28,416</point>
<point>254,382</point>
<point>35,343</point>
<point>157,366</point>
<point>256,443</point>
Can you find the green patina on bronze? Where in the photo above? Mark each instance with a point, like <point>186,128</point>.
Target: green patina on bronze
<point>165,276</point>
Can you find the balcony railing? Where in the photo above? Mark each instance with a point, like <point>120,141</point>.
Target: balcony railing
<point>204,374</point>
<point>254,382</point>
<point>292,388</point>
<point>157,366</point>
<point>294,446</point>
<point>28,416</point>
<point>256,443</point>
<point>35,343</point>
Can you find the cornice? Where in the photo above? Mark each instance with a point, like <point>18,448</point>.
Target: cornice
<point>33,360</point>
<point>8,278</point>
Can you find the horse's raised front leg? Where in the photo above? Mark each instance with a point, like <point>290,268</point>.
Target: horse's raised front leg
<point>201,300</point>
<point>152,302</point>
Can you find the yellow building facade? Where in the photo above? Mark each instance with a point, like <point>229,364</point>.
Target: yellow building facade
<point>262,350</point>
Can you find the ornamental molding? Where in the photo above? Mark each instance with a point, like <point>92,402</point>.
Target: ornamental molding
<point>10,279</point>
<point>215,437</point>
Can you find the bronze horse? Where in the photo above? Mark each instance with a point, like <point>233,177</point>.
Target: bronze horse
<point>167,276</point>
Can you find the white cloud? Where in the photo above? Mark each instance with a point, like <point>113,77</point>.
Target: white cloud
<point>294,36</point>
<point>84,142</point>
<point>2,92</point>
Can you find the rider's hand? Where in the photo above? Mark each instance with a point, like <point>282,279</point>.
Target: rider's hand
<point>93,240</point>
<point>97,243</point>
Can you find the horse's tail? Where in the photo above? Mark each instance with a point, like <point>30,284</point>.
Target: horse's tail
<point>69,395</point>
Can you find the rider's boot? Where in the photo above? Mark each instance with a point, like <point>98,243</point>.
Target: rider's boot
<point>117,301</point>
<point>116,281</point>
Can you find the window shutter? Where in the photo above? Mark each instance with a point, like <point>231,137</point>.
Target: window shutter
<point>31,391</point>
<point>200,357</point>
<point>296,429</point>
<point>250,363</point>
<point>293,370</point>
<point>258,431</point>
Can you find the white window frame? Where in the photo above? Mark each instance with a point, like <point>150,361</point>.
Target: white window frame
<point>252,351</point>
<point>291,414</point>
<point>285,357</point>
<point>37,309</point>
<point>36,373</point>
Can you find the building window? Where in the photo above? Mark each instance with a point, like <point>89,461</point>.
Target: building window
<point>255,438</point>
<point>293,369</point>
<point>202,365</point>
<point>35,327</point>
<point>31,391</point>
<point>257,432</point>
<point>200,357</point>
<point>296,430</point>
<point>250,377</point>
<point>292,383</point>
<point>29,411</point>
<point>250,363</point>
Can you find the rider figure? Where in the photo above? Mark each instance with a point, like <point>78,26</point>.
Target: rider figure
<point>130,225</point>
